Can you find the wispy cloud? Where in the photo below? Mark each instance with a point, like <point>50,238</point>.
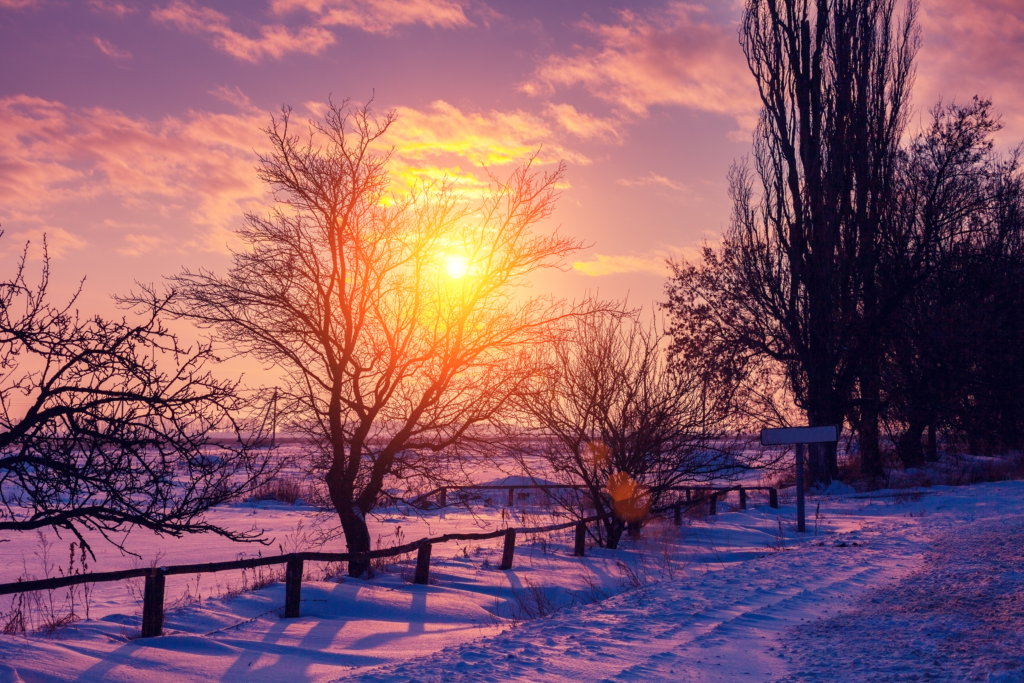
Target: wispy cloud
<point>585,126</point>
<point>380,16</point>
<point>21,4</point>
<point>653,178</point>
<point>111,50</point>
<point>491,138</point>
<point>195,169</point>
<point>274,40</point>
<point>674,56</point>
<point>612,264</point>
<point>117,8</point>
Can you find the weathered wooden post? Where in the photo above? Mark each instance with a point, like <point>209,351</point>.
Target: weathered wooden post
<point>581,539</point>
<point>422,575</point>
<point>743,498</point>
<point>678,514</point>
<point>442,497</point>
<point>773,498</point>
<point>509,550</point>
<point>292,588</point>
<point>153,605</point>
<point>511,496</point>
<point>713,504</point>
<point>687,495</point>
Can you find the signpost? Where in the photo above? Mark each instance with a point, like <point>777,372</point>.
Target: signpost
<point>799,436</point>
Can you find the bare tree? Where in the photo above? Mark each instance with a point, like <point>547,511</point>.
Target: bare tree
<point>953,345</point>
<point>609,414</point>
<point>106,425</point>
<point>400,321</point>
<point>800,259</point>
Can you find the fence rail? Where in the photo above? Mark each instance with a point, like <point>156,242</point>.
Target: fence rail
<point>155,577</point>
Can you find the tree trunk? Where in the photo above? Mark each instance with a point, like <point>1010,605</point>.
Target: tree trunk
<point>357,537</point>
<point>909,445</point>
<point>932,453</point>
<point>868,436</point>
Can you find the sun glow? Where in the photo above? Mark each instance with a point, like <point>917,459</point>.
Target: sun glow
<point>456,266</point>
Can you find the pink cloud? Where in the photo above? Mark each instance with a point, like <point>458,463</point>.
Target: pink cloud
<point>118,8</point>
<point>654,179</point>
<point>676,56</point>
<point>196,171</point>
<point>380,16</point>
<point>20,4</point>
<point>975,49</point>
<point>111,50</point>
<point>274,40</point>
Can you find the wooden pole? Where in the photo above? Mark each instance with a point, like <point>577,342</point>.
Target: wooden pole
<point>801,525</point>
<point>713,504</point>
<point>678,514</point>
<point>292,588</point>
<point>581,540</point>
<point>509,550</point>
<point>743,498</point>
<point>153,605</point>
<point>773,498</point>
<point>511,496</point>
<point>442,497</point>
<point>422,575</point>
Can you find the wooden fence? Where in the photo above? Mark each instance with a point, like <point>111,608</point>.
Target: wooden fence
<point>155,577</point>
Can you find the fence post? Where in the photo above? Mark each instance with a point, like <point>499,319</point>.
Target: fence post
<point>678,516</point>
<point>422,575</point>
<point>442,497</point>
<point>713,504</point>
<point>773,498</point>
<point>687,495</point>
<point>153,605</point>
<point>581,539</point>
<point>292,588</point>
<point>511,496</point>
<point>743,498</point>
<point>509,550</point>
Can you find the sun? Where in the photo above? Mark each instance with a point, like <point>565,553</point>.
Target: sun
<point>456,266</point>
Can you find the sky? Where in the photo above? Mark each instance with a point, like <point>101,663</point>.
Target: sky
<point>129,128</point>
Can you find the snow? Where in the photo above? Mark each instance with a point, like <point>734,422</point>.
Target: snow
<point>890,586</point>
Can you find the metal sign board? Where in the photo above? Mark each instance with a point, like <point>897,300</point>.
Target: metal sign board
<point>794,435</point>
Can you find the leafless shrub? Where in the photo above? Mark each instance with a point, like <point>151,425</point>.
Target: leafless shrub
<point>282,489</point>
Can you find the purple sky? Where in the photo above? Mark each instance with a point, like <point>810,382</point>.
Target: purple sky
<point>128,128</point>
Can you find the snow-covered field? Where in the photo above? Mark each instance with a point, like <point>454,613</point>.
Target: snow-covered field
<point>896,586</point>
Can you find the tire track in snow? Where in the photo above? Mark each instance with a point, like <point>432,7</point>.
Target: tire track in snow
<point>722,625</point>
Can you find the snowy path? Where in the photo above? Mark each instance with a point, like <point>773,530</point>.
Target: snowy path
<point>725,625</point>
<point>900,587</point>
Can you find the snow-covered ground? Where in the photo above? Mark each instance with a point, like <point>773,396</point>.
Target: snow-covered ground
<point>891,587</point>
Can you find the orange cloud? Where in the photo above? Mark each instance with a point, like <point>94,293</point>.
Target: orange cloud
<point>974,50</point>
<point>605,264</point>
<point>491,139</point>
<point>19,4</point>
<point>111,50</point>
<point>582,125</point>
<point>671,57</point>
<point>195,171</point>
<point>274,40</point>
<point>380,16</point>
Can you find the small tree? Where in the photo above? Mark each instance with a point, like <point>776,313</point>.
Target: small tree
<point>399,321</point>
<point>106,425</point>
<point>609,414</point>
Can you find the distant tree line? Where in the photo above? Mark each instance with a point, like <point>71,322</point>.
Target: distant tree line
<point>866,277</point>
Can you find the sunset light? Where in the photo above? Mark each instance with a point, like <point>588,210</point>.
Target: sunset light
<point>558,342</point>
<point>456,266</point>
